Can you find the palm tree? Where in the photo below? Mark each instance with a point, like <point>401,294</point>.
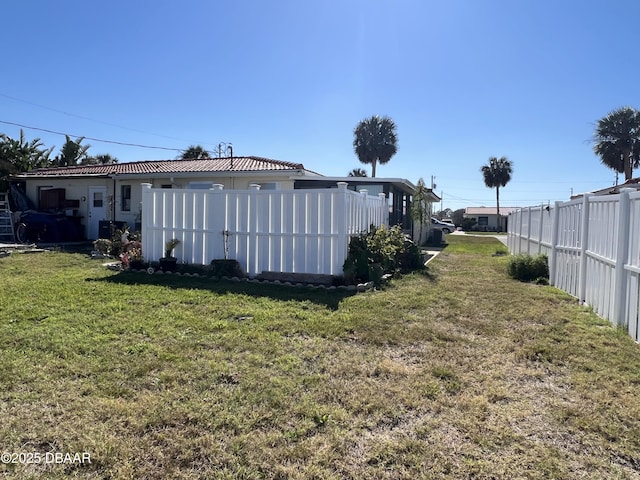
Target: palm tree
<point>194,152</point>
<point>100,159</point>
<point>358,172</point>
<point>20,155</point>
<point>72,152</point>
<point>376,141</point>
<point>617,140</point>
<point>497,173</point>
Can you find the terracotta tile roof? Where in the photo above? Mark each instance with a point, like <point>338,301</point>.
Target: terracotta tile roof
<point>235,164</point>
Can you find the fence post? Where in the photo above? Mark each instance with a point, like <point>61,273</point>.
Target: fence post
<point>540,228</point>
<point>584,245</point>
<point>146,210</point>
<point>528,230</point>
<point>382,218</point>
<point>365,210</point>
<point>252,230</point>
<point>512,223</point>
<point>622,251</point>
<point>342,227</point>
<point>555,221</point>
<point>520,232</point>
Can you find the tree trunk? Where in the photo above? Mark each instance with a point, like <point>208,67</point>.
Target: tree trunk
<point>628,168</point>
<point>373,168</point>
<point>498,219</point>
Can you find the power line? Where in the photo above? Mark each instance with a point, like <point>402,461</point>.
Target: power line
<point>97,121</point>
<point>91,138</point>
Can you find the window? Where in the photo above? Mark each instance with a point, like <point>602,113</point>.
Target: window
<point>268,186</point>
<point>125,191</point>
<point>483,221</point>
<point>98,200</point>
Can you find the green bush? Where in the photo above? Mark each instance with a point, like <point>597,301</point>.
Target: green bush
<point>467,224</point>
<point>380,250</point>
<point>527,268</point>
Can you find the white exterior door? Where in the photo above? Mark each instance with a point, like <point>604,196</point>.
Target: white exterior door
<point>97,209</point>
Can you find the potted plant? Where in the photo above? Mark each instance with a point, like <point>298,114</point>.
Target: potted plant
<point>168,263</point>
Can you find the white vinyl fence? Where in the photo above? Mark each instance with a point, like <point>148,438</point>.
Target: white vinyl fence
<point>593,245</point>
<point>295,231</point>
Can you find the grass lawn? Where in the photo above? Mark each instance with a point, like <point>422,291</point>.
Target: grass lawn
<point>458,372</point>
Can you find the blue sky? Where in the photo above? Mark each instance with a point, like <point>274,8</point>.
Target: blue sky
<point>290,79</point>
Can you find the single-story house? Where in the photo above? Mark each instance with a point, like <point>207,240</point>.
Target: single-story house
<point>487,218</point>
<point>93,195</point>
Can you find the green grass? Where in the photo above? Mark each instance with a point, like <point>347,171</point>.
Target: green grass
<point>457,372</point>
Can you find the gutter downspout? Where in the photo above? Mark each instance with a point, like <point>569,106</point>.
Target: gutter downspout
<point>113,201</point>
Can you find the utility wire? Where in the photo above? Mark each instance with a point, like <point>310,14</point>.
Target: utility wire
<point>91,138</point>
<point>98,121</point>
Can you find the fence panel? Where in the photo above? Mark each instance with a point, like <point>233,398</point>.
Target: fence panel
<point>593,246</point>
<point>632,268</point>
<point>297,231</point>
<point>600,251</point>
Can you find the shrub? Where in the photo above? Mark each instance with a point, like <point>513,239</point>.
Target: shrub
<point>226,268</point>
<point>527,268</point>
<point>103,246</point>
<point>380,250</point>
<point>467,224</point>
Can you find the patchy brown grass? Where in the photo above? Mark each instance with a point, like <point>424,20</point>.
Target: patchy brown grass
<point>460,372</point>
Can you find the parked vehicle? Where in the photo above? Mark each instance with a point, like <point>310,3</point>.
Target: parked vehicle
<point>446,227</point>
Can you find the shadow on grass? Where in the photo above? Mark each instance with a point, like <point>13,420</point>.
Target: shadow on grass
<point>321,296</point>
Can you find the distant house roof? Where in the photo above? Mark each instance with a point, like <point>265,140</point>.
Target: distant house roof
<point>227,164</point>
<point>488,210</point>
<point>631,183</point>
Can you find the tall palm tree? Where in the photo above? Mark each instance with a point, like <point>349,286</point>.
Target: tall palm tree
<point>617,140</point>
<point>497,173</point>
<point>358,172</point>
<point>376,141</point>
<point>194,152</point>
<point>72,152</point>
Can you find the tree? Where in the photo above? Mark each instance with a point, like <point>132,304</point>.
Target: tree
<point>358,172</point>
<point>194,152</point>
<point>20,155</point>
<point>72,153</point>
<point>420,206</point>
<point>617,140</point>
<point>101,159</point>
<point>446,213</point>
<point>457,216</point>
<point>376,141</point>
<point>497,173</point>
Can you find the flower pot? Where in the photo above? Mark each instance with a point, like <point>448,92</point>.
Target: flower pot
<point>168,264</point>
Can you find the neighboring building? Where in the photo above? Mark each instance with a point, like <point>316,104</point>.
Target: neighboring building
<point>487,218</point>
<point>633,183</point>
<point>399,191</point>
<point>94,194</point>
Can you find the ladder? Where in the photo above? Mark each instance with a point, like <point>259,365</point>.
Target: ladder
<point>7,235</point>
